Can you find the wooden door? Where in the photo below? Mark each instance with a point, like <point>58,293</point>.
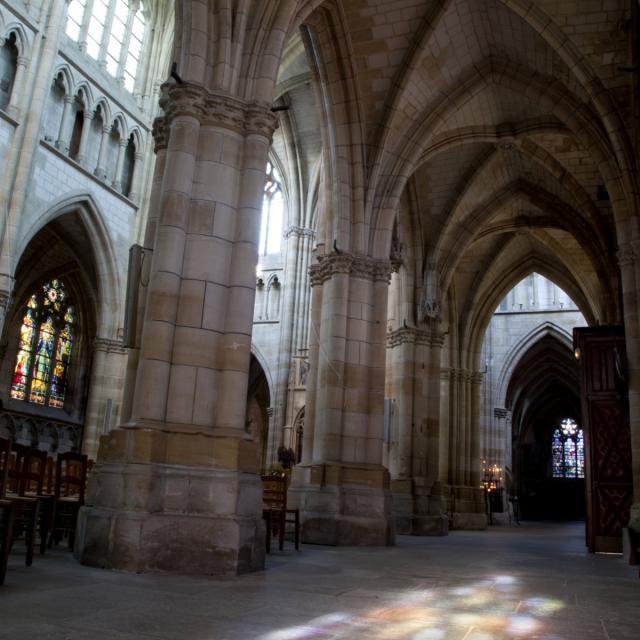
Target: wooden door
<point>605,417</point>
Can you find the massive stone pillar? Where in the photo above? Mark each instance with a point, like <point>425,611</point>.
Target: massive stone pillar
<point>177,488</point>
<point>341,486</point>
<point>414,458</point>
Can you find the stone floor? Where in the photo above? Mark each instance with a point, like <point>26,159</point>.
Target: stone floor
<point>532,581</point>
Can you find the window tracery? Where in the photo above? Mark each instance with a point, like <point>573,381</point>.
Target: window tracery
<point>111,32</point>
<point>567,448</point>
<point>45,345</point>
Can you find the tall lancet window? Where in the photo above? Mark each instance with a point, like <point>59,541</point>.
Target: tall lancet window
<point>567,448</point>
<point>44,347</point>
<point>272,213</point>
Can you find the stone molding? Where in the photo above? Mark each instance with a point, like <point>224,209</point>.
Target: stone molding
<point>211,109</point>
<point>500,413</point>
<point>465,375</point>
<point>356,266</point>
<point>300,232</point>
<point>109,346</point>
<point>415,335</point>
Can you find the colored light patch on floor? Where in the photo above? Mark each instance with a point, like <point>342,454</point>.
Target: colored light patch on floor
<point>494,608</point>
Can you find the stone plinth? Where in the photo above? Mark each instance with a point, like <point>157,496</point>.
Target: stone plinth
<point>343,504</point>
<point>174,502</point>
<point>468,508</point>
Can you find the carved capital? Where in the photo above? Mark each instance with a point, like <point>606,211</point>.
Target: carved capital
<point>183,100</point>
<point>628,253</point>
<point>300,232</point>
<point>216,109</point>
<point>425,337</point>
<point>350,264</point>
<point>260,120</point>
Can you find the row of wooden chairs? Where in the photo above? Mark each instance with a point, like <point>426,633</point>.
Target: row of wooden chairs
<point>38,495</point>
<point>276,513</point>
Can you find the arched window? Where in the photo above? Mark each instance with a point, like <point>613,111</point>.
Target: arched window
<point>44,347</point>
<point>112,33</point>
<point>567,448</point>
<point>8,62</point>
<point>272,213</point>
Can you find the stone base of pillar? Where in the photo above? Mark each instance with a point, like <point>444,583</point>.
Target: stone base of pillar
<point>161,501</point>
<point>343,504</point>
<point>430,525</point>
<point>469,521</point>
<point>402,505</point>
<point>467,508</point>
<point>430,509</point>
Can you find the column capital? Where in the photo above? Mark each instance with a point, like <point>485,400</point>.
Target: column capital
<point>217,109</point>
<point>22,61</point>
<point>69,99</point>
<point>357,266</point>
<point>88,115</point>
<point>300,232</point>
<point>628,252</point>
<point>415,335</point>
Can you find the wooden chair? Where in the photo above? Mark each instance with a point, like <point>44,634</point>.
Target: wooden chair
<point>23,469</point>
<point>6,530</point>
<point>70,484</point>
<point>275,511</point>
<point>6,508</point>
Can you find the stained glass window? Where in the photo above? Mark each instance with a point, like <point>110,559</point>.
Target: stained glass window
<point>44,347</point>
<point>567,450</point>
<point>272,213</point>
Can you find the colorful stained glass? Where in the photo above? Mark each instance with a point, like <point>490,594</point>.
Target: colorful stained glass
<point>567,450</point>
<point>556,450</point>
<point>44,349</point>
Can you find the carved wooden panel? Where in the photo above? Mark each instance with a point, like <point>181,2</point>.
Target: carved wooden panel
<point>605,418</point>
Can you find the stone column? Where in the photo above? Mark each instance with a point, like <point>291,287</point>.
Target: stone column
<point>62,142</point>
<point>87,118</point>
<point>464,463</point>
<point>117,178</point>
<point>17,91</point>
<point>415,470</point>
<point>134,194</point>
<point>100,170</point>
<point>342,487</point>
<point>178,487</point>
<point>109,359</point>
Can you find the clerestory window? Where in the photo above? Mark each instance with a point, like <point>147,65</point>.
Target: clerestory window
<point>272,213</point>
<point>44,347</point>
<point>111,32</point>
